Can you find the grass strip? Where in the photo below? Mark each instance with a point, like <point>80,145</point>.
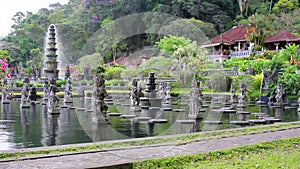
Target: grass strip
<point>276,154</point>
<point>181,139</point>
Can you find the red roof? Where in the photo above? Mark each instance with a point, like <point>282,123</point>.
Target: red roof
<point>283,35</point>
<point>231,36</point>
<point>122,60</point>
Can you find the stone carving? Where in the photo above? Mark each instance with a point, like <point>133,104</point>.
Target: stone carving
<point>195,100</point>
<point>242,96</point>
<point>46,89</point>
<point>34,72</point>
<point>232,94</point>
<point>161,91</point>
<point>150,90</point>
<point>99,93</point>
<point>168,91</point>
<point>5,93</point>
<point>279,95</point>
<point>269,76</point>
<point>53,100</point>
<point>33,96</point>
<point>68,91</point>
<point>25,94</point>
<point>134,93</point>
<point>68,72</point>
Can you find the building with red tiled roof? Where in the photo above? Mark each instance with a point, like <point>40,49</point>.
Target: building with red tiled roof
<point>279,40</point>
<point>234,43</point>
<point>229,42</point>
<point>235,35</point>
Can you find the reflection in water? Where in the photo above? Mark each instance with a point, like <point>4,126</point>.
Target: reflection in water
<point>5,134</point>
<point>278,112</point>
<point>33,127</point>
<point>50,129</point>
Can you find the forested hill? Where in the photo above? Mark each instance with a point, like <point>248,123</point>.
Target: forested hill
<point>78,20</point>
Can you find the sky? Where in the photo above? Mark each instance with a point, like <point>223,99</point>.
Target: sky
<point>9,8</point>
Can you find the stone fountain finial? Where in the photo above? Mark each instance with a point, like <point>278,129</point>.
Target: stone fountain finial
<point>50,63</point>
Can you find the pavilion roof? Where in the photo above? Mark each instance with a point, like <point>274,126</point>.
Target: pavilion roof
<point>282,36</point>
<point>235,34</point>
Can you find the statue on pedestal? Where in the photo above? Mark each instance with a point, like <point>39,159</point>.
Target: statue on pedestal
<point>279,95</point>
<point>25,94</point>
<point>53,98</point>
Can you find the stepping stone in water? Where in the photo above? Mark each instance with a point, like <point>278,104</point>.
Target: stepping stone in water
<point>239,122</point>
<point>127,116</point>
<point>257,121</point>
<point>229,111</point>
<point>212,122</point>
<point>142,118</point>
<point>186,121</point>
<point>167,109</point>
<point>179,110</point>
<point>260,114</point>
<point>205,106</point>
<point>243,112</point>
<point>158,121</point>
<point>270,119</point>
<point>114,114</point>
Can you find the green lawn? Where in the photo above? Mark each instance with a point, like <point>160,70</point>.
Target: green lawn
<point>269,155</point>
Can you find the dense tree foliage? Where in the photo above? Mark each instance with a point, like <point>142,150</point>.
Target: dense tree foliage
<point>80,20</point>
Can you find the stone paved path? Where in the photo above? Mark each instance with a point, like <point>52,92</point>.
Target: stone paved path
<point>127,155</point>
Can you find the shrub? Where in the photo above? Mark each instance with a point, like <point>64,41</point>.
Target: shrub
<point>19,83</point>
<point>116,82</point>
<point>39,85</point>
<point>219,82</point>
<point>59,83</point>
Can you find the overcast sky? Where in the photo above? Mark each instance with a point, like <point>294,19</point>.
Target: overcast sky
<point>9,8</point>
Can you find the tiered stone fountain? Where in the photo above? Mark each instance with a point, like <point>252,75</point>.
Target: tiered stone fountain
<point>150,99</point>
<point>50,63</point>
<point>51,71</point>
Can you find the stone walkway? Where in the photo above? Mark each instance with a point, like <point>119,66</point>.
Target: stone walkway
<point>106,158</point>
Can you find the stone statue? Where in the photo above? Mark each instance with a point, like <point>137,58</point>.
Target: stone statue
<point>68,72</point>
<point>134,93</point>
<point>269,76</point>
<point>242,96</point>
<point>5,93</point>
<point>34,72</point>
<point>68,91</point>
<point>53,98</point>
<point>140,94</point>
<point>25,93</point>
<point>99,93</point>
<point>195,101</point>
<point>168,91</point>
<point>279,95</point>
<point>46,89</point>
<point>232,95</point>
<point>33,96</point>
<point>161,90</point>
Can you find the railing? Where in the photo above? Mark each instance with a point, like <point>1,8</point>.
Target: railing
<point>217,58</point>
<point>233,54</point>
<point>240,54</point>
